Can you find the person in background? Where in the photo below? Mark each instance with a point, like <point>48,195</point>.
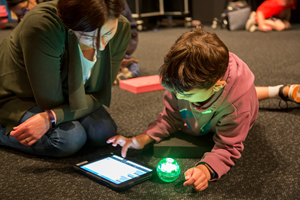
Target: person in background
<point>130,67</point>
<point>21,7</point>
<point>271,15</point>
<point>57,69</point>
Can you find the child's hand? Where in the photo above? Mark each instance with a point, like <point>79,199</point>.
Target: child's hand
<point>198,177</point>
<point>134,142</point>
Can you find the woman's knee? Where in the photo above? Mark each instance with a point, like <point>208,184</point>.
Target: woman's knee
<point>99,127</point>
<point>99,133</point>
<point>70,138</point>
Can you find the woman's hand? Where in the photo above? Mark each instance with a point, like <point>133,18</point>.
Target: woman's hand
<point>198,177</point>
<point>135,142</point>
<point>32,129</point>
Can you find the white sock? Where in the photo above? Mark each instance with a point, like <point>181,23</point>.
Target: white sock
<point>274,91</point>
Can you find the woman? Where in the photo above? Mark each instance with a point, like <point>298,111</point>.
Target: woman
<point>52,84</point>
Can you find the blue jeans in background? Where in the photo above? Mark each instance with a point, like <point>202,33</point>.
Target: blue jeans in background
<point>68,137</point>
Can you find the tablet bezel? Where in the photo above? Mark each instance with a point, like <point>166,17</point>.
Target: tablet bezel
<point>117,187</point>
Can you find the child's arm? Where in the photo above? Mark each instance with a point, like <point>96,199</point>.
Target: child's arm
<point>167,122</point>
<point>231,132</point>
<point>137,142</point>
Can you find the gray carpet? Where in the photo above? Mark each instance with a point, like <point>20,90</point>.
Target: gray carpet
<point>270,164</point>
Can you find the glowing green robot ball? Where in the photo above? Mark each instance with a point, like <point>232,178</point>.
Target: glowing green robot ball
<point>168,170</point>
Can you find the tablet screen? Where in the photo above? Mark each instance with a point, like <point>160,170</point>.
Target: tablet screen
<point>116,169</point>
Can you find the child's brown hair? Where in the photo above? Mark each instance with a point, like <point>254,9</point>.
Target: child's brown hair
<point>198,59</point>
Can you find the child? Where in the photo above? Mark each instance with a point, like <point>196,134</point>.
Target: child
<point>271,14</point>
<point>209,89</point>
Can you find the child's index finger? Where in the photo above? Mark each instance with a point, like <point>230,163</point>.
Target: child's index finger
<point>112,139</point>
<point>188,182</point>
<point>125,149</point>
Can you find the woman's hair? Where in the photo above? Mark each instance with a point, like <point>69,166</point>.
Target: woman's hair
<point>198,59</point>
<point>12,3</point>
<point>88,15</point>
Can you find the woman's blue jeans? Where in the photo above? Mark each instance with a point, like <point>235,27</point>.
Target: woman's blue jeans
<point>68,137</point>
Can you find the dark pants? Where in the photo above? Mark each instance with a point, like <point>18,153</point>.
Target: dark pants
<point>67,138</point>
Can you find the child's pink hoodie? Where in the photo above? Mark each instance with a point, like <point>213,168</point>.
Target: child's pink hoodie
<point>229,114</point>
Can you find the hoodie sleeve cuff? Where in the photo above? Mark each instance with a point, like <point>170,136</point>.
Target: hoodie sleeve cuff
<point>213,174</point>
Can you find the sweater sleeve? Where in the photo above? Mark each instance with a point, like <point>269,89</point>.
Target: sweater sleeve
<point>231,132</point>
<point>167,122</point>
<point>43,46</point>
